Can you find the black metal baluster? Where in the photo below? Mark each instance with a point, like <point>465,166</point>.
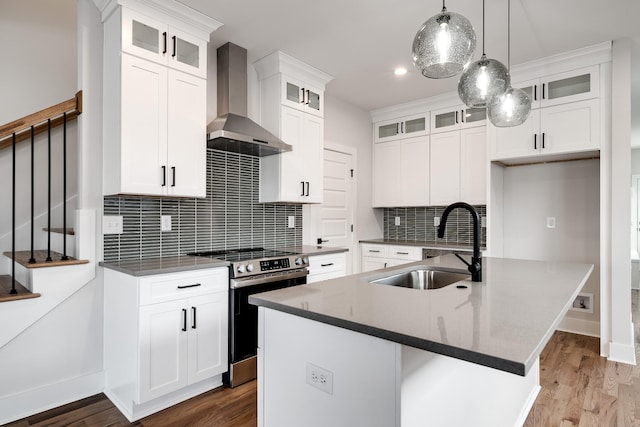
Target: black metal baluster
<point>32,259</point>
<point>13,221</point>
<point>49,192</point>
<point>64,187</point>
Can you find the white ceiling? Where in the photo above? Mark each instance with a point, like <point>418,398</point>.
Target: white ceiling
<point>360,42</point>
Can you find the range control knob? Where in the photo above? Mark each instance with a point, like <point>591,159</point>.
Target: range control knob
<point>298,261</point>
<point>240,268</point>
<point>305,260</point>
<point>249,268</point>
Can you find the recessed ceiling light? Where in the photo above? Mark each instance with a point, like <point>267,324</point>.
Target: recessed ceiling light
<point>400,71</point>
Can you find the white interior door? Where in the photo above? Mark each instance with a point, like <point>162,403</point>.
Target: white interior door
<point>333,220</point>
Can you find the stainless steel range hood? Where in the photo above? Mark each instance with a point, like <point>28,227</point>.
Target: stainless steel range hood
<point>232,130</point>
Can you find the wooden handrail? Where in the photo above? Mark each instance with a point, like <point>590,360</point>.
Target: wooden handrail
<point>21,127</point>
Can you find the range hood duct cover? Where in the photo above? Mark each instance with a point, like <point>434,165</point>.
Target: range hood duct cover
<point>232,130</point>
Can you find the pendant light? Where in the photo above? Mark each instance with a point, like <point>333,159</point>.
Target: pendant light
<point>484,81</point>
<point>514,105</point>
<point>444,45</point>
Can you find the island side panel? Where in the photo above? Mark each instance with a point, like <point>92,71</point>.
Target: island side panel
<point>451,392</point>
<point>365,374</point>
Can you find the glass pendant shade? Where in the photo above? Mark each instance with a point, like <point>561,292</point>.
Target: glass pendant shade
<point>483,82</point>
<point>512,109</point>
<point>444,45</point>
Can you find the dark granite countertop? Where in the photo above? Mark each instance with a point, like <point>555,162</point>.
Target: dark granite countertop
<point>503,322</point>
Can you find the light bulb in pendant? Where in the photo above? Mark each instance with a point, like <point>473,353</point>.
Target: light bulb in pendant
<point>443,41</point>
<point>512,109</point>
<point>483,82</point>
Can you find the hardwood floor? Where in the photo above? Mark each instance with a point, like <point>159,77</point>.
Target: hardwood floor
<point>579,388</point>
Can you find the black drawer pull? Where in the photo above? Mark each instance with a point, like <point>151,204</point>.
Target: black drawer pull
<point>326,265</point>
<point>402,253</point>
<point>193,322</point>
<point>195,285</point>
<point>370,250</point>
<point>184,319</point>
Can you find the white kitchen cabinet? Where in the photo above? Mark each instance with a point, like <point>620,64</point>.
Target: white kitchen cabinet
<point>302,96</point>
<point>564,128</point>
<point>401,173</point>
<point>561,88</point>
<point>458,167</point>
<point>379,256</point>
<point>403,127</point>
<point>457,117</point>
<point>154,39</point>
<point>295,176</point>
<point>327,266</point>
<point>154,113</point>
<point>166,336</point>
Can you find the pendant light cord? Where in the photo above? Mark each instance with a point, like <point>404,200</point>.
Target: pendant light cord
<point>483,53</point>
<point>509,35</point>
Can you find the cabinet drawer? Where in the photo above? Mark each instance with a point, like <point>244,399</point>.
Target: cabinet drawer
<point>405,252</point>
<point>319,264</point>
<point>168,287</point>
<point>377,251</point>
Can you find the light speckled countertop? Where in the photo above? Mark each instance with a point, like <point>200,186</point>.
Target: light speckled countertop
<point>503,322</point>
<point>311,250</point>
<point>150,266</point>
<point>421,244</point>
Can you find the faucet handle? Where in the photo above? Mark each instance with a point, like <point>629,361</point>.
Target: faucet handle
<point>463,260</point>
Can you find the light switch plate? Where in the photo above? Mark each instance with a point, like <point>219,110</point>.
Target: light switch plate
<point>165,222</point>
<point>551,222</point>
<point>291,221</point>
<point>112,224</point>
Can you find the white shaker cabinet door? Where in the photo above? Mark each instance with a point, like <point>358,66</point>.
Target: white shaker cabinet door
<point>473,166</point>
<point>386,174</point>
<point>445,168</point>
<point>143,117</point>
<point>414,171</point>
<point>163,349</point>
<point>516,141</point>
<point>207,336</point>
<point>571,127</point>
<point>187,149</point>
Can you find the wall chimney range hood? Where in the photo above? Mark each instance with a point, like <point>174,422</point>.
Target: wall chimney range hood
<point>232,130</point>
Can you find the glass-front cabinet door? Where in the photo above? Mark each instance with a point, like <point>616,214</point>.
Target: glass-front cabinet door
<point>472,117</point>
<point>403,127</point>
<point>302,96</point>
<point>457,117</point>
<point>158,42</point>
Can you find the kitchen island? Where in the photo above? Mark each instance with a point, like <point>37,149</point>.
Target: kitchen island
<point>351,352</point>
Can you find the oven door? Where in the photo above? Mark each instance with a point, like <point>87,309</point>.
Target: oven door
<point>243,317</point>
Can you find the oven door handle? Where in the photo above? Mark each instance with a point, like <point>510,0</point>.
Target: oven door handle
<point>267,278</point>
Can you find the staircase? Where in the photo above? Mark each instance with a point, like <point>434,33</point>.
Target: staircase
<point>18,271</point>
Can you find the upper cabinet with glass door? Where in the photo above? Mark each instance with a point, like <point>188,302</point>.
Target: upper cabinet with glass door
<point>403,127</point>
<point>570,86</point>
<point>302,96</point>
<point>158,41</point>
<point>458,117</point>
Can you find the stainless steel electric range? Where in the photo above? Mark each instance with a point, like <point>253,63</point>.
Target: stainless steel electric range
<point>251,271</point>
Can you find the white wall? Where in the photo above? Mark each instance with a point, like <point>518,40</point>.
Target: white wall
<point>349,125</point>
<point>569,192</point>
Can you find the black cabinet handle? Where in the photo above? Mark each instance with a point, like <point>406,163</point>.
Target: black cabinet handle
<point>535,92</point>
<point>326,265</point>
<point>184,320</point>
<point>397,128</point>
<point>302,182</point>
<point>456,117</point>
<point>173,176</point>
<point>302,92</point>
<point>535,141</point>
<point>175,45</point>
<point>402,127</point>
<point>402,253</point>
<point>308,97</point>
<point>385,265</point>
<point>164,42</point>
<point>307,188</point>
<point>164,176</point>
<point>462,116</point>
<point>193,321</point>
<point>542,139</point>
<point>195,285</point>
<point>544,96</point>
<point>377,252</point>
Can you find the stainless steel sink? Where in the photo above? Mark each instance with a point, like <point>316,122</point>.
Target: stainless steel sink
<point>423,279</point>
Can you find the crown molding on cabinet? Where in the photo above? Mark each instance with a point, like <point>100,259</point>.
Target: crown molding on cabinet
<point>280,62</point>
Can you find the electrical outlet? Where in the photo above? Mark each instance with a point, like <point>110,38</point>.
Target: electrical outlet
<point>291,221</point>
<point>397,222</point>
<point>165,222</point>
<point>320,378</point>
<point>436,221</point>
<point>483,221</point>
<point>551,222</point>
<point>112,224</point>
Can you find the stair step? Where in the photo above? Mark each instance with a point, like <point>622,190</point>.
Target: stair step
<point>69,232</point>
<point>5,289</point>
<point>22,258</point>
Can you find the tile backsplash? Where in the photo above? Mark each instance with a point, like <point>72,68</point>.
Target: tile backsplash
<point>229,217</point>
<point>416,224</point>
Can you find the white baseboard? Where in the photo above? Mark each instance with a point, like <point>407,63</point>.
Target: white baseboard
<point>579,326</point>
<point>623,352</point>
<point>25,404</point>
